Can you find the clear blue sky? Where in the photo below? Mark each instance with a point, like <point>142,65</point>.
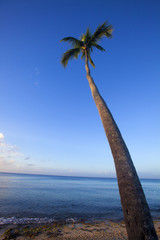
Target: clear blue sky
<point>49,123</point>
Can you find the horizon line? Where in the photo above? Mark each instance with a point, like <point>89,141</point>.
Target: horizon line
<point>38,174</point>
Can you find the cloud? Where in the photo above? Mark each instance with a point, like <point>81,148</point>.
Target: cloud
<point>12,159</point>
<point>4,161</point>
<point>30,165</point>
<point>27,158</point>
<point>1,136</point>
<point>8,152</point>
<point>8,149</point>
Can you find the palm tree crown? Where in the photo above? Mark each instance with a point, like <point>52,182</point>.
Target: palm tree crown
<point>86,43</point>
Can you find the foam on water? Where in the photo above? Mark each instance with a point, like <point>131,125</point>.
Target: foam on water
<point>14,220</point>
<point>17,221</point>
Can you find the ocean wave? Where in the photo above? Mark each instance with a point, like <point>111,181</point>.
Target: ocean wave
<point>26,220</point>
<point>14,220</point>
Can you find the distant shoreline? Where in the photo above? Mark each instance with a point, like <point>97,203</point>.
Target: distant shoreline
<point>36,174</point>
<point>50,175</point>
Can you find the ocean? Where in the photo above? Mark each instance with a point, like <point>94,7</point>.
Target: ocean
<point>26,198</point>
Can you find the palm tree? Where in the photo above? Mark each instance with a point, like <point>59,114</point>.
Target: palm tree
<point>138,220</point>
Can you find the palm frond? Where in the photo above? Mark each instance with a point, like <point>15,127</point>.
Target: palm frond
<point>98,47</point>
<point>102,30</point>
<point>70,54</point>
<point>82,37</point>
<point>109,31</point>
<point>87,35</point>
<point>76,54</point>
<point>74,41</point>
<point>83,55</point>
<point>91,61</point>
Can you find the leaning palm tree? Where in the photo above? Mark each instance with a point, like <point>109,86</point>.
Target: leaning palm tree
<point>138,220</point>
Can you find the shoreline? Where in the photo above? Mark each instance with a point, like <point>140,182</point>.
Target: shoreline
<point>49,220</point>
<point>62,230</point>
<point>54,220</point>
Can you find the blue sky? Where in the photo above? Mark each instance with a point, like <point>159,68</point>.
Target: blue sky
<point>49,123</point>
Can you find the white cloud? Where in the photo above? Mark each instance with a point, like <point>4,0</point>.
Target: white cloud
<point>5,161</point>
<point>11,158</point>
<point>1,136</point>
<point>8,153</point>
<point>8,149</point>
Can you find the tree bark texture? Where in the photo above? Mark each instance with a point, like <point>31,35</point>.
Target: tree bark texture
<point>138,220</point>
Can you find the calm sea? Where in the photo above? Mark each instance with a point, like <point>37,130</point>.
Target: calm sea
<point>38,198</point>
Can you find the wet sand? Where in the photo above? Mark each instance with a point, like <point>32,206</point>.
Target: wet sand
<point>68,231</point>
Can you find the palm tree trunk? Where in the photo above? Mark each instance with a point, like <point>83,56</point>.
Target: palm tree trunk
<point>138,220</point>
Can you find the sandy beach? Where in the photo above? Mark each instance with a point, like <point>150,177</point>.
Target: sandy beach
<point>68,231</point>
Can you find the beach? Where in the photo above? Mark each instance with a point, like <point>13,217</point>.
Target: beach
<point>68,231</point>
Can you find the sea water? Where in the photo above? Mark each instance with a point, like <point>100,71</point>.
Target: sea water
<point>38,198</point>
